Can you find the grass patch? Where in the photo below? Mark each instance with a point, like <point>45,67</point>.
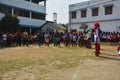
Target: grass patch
<point>14,65</point>
<point>53,63</point>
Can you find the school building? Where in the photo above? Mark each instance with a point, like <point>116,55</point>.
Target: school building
<point>106,12</point>
<point>31,13</point>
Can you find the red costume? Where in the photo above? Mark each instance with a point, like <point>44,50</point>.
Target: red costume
<point>97,38</point>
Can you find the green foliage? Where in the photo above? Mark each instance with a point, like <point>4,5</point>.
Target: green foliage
<point>83,26</point>
<point>64,25</point>
<point>9,23</point>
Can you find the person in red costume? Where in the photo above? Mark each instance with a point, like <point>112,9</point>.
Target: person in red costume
<point>97,32</point>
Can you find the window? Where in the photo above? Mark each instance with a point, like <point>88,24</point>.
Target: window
<point>22,13</point>
<point>36,1</point>
<point>38,16</point>
<point>27,0</point>
<point>95,12</point>
<point>5,9</point>
<point>83,13</point>
<point>73,14</point>
<point>108,10</point>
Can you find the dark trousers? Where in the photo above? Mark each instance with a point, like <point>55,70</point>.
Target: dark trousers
<point>18,41</point>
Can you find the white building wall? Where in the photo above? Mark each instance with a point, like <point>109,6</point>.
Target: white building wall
<point>107,26</point>
<point>108,22</point>
<point>34,22</point>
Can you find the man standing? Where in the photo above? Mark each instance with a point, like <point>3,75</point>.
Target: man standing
<point>97,32</point>
<point>18,38</point>
<point>57,38</point>
<point>25,38</point>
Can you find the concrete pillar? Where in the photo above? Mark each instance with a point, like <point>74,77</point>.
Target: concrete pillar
<point>30,19</point>
<point>30,1</point>
<point>44,2</point>
<point>69,26</point>
<point>30,15</point>
<point>12,11</point>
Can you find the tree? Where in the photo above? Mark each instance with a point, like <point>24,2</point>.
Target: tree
<point>64,25</point>
<point>84,26</point>
<point>9,24</point>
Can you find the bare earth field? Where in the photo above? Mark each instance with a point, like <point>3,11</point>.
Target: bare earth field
<point>59,63</point>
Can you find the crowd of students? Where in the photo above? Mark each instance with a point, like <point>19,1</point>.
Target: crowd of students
<point>112,37</point>
<point>73,39</point>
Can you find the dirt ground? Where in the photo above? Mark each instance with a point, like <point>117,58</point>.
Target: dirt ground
<point>59,63</point>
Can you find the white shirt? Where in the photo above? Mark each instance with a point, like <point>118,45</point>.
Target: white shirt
<point>4,37</point>
<point>96,36</point>
<point>25,34</point>
<point>74,38</point>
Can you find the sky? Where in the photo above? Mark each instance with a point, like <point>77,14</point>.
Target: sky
<point>61,8</point>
